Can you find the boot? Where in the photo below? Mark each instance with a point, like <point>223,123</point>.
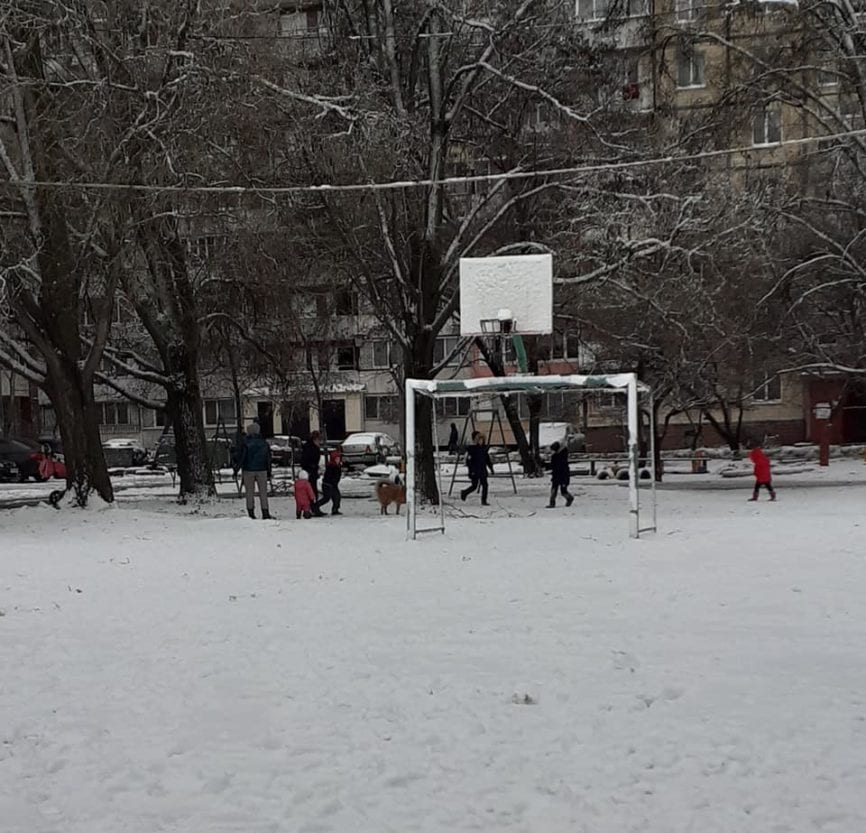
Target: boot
<point>462,495</point>
<point>752,499</point>
<point>569,500</point>
<point>550,505</point>
<point>336,512</point>
<point>252,513</point>
<point>266,516</point>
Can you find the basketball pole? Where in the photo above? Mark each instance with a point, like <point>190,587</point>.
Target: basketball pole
<point>633,495</point>
<point>410,459</point>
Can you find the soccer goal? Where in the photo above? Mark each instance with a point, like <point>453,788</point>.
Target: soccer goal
<point>625,384</point>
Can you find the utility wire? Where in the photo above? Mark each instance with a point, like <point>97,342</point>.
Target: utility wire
<point>402,185</point>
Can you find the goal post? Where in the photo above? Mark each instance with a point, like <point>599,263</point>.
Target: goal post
<point>625,384</point>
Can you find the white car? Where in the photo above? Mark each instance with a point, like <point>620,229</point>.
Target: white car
<point>124,452</point>
<point>368,449</point>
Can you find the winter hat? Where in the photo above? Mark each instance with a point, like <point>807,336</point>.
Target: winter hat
<point>303,475</point>
<point>554,446</point>
<point>253,429</point>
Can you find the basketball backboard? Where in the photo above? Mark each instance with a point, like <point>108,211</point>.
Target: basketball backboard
<point>521,285</point>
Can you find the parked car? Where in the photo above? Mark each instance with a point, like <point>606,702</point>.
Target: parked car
<point>27,455</point>
<point>120,453</point>
<point>563,433</point>
<point>8,470</point>
<point>368,449</point>
<point>284,448</point>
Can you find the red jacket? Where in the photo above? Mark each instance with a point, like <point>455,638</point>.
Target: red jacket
<point>762,465</point>
<point>304,495</point>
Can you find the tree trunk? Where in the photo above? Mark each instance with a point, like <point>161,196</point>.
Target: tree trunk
<point>78,421</point>
<point>536,404</point>
<point>184,407</point>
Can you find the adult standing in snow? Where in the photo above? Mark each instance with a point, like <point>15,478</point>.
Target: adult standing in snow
<point>331,483</point>
<point>478,463</point>
<point>761,464</point>
<point>255,463</point>
<point>453,440</point>
<point>311,455</point>
<point>560,475</point>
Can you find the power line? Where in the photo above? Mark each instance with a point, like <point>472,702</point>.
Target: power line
<point>401,185</point>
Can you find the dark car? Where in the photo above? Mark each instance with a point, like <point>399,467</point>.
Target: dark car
<point>25,454</point>
<point>284,449</point>
<point>8,470</point>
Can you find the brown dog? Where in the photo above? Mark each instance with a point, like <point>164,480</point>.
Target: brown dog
<point>388,493</point>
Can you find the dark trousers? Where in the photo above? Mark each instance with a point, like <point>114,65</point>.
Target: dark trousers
<point>330,493</point>
<point>768,485</point>
<point>474,481</point>
<point>313,474</point>
<point>562,488</point>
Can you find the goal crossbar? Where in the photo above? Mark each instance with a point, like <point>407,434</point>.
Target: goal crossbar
<point>626,384</point>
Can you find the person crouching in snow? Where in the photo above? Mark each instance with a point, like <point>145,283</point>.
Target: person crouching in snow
<point>761,464</point>
<point>304,496</point>
<point>560,476</point>
<point>331,483</point>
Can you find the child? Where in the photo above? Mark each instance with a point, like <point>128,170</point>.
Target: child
<point>304,496</point>
<point>478,462</point>
<point>761,463</point>
<point>560,476</point>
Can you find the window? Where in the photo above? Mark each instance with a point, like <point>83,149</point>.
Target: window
<point>827,78</point>
<point>455,406</point>
<point>381,354</point>
<point>592,9</point>
<point>113,413</point>
<point>205,248</point>
<point>311,19</point>
<point>769,390</point>
<point>346,302</point>
<point>347,357</point>
<point>688,9</point>
<point>219,411</point>
<point>444,347</point>
<point>571,346</point>
<point>767,126</point>
<point>690,69</point>
<point>381,408</point>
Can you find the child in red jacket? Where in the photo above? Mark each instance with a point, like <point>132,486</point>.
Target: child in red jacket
<point>761,463</point>
<point>304,496</point>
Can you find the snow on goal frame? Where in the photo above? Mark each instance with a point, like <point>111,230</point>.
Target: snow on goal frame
<point>626,384</point>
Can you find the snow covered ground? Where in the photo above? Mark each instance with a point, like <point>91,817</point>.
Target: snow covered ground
<point>532,670</point>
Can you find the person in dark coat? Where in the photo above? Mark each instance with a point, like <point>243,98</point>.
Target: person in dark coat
<point>311,455</point>
<point>560,476</point>
<point>453,440</point>
<point>255,463</point>
<point>761,465</point>
<point>478,463</point>
<point>331,483</point>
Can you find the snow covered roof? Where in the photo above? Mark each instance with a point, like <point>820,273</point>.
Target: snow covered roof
<point>525,384</point>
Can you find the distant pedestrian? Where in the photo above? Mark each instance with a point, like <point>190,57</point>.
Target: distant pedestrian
<point>331,483</point>
<point>311,455</point>
<point>478,463</point>
<point>255,463</point>
<point>453,440</point>
<point>560,475</point>
<point>763,477</point>
<point>304,496</point>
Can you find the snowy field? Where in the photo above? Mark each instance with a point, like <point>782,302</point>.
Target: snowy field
<point>532,670</point>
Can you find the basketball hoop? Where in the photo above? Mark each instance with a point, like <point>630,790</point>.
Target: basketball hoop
<point>490,326</point>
